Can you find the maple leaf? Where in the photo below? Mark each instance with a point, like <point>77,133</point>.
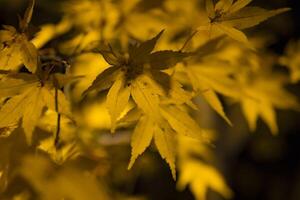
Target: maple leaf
<point>199,174</point>
<point>228,17</point>
<point>181,122</point>
<point>263,95</point>
<point>210,78</point>
<point>165,141</point>
<point>27,96</point>
<point>141,138</point>
<point>16,48</point>
<point>138,75</point>
<point>178,96</point>
<point>164,128</point>
<point>132,76</point>
<point>164,138</point>
<point>117,99</point>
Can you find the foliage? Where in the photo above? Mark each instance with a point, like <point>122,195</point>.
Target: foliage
<point>131,67</point>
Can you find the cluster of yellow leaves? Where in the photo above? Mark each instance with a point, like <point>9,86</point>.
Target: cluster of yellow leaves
<point>262,95</point>
<point>228,17</point>
<point>15,47</point>
<point>259,90</point>
<point>199,175</point>
<point>139,75</point>
<point>28,96</point>
<point>141,84</point>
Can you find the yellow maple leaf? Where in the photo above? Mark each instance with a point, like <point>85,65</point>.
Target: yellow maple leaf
<point>16,48</point>
<point>210,78</point>
<point>228,17</point>
<point>27,89</point>
<point>132,73</point>
<point>199,174</point>
<point>263,95</point>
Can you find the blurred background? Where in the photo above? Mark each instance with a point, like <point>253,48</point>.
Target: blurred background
<point>255,165</point>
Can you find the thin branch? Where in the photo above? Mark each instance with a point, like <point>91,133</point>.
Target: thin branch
<point>58,121</point>
<point>188,40</point>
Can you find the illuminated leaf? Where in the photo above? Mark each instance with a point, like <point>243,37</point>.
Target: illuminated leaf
<point>16,84</point>
<point>212,99</point>
<point>251,113</point>
<point>63,105</point>
<point>132,116</point>
<point>13,109</point>
<point>200,177</point>
<point>146,96</point>
<point>29,55</point>
<point>32,113</point>
<point>262,96</point>
<point>178,96</point>
<point>141,138</point>
<point>233,33</point>
<point>18,49</point>
<point>10,57</point>
<point>215,77</point>
<point>116,100</point>
<point>228,17</point>
<point>28,101</point>
<point>181,122</point>
<point>165,141</point>
<point>250,16</point>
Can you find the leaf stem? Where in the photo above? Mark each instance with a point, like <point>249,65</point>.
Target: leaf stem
<point>56,141</point>
<point>188,40</point>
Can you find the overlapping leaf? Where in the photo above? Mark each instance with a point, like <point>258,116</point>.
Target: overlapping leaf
<point>27,98</point>
<point>228,17</point>
<point>16,49</point>
<point>140,76</point>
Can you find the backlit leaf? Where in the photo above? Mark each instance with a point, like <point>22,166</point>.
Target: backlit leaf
<point>32,113</point>
<point>165,141</point>
<point>181,122</point>
<point>12,111</point>
<point>250,16</point>
<point>116,100</point>
<point>146,96</point>
<point>29,55</point>
<point>141,138</point>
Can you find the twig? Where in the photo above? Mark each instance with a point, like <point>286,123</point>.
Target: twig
<point>188,40</point>
<point>57,134</point>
